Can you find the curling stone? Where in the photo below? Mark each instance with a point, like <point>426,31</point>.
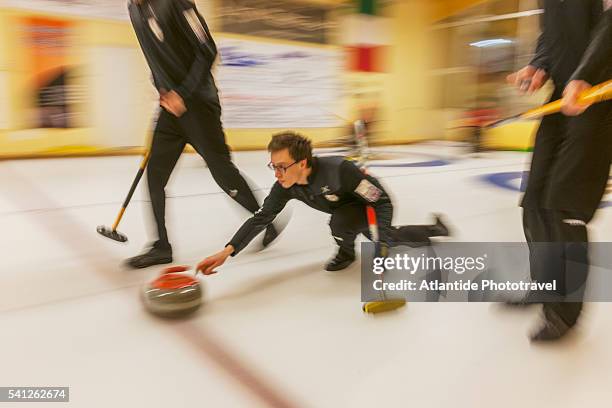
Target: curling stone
<point>173,294</point>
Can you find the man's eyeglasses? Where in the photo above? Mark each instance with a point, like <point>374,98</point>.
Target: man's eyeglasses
<point>282,169</point>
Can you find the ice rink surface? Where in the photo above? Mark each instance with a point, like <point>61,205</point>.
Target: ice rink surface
<point>276,330</point>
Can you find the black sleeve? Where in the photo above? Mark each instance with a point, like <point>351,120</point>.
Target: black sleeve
<point>597,9</point>
<point>196,30</point>
<point>541,59</point>
<point>272,206</point>
<point>370,192</point>
<point>598,57</point>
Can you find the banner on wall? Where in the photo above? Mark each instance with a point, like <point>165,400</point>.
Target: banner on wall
<point>265,85</point>
<point>50,64</point>
<point>104,9</point>
<point>277,19</point>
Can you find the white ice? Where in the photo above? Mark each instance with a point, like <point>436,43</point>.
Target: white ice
<point>275,328</point>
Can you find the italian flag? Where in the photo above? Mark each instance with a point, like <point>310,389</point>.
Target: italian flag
<point>364,34</point>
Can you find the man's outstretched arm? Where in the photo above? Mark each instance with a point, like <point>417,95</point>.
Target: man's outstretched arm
<point>272,206</point>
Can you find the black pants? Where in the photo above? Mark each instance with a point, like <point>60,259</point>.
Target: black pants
<point>569,172</point>
<point>201,127</point>
<point>571,161</point>
<point>351,220</point>
<point>558,251</point>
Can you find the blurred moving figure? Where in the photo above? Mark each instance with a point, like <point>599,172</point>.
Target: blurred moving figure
<point>477,119</point>
<point>180,52</point>
<point>571,159</point>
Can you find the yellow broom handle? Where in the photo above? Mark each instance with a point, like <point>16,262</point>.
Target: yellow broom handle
<point>118,219</point>
<point>143,165</point>
<point>598,93</point>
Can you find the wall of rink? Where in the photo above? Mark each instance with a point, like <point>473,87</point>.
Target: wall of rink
<point>109,101</point>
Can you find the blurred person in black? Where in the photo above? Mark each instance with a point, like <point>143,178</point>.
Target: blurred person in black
<point>330,184</point>
<point>180,52</point>
<point>571,158</point>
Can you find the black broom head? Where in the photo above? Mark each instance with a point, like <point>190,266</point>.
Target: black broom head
<point>112,234</point>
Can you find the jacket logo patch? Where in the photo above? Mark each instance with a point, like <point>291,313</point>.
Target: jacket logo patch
<point>332,197</point>
<point>195,24</point>
<point>574,223</point>
<point>368,191</point>
<point>156,29</point>
<point>325,189</point>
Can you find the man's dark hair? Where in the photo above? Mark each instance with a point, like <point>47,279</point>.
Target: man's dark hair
<point>299,147</point>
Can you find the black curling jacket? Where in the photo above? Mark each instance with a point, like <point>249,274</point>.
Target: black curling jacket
<point>177,45</point>
<point>333,183</point>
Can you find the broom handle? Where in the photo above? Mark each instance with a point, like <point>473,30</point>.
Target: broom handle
<point>143,166</point>
<point>598,93</point>
<point>373,227</point>
<point>372,223</point>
